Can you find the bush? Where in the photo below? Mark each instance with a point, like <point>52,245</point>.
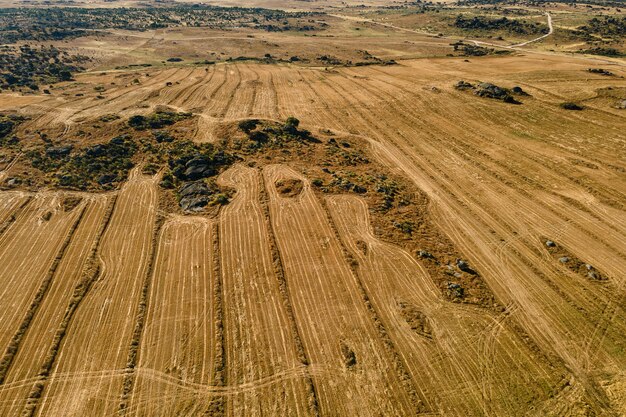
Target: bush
<point>571,106</point>
<point>292,123</point>
<point>248,125</point>
<point>156,120</point>
<point>138,122</point>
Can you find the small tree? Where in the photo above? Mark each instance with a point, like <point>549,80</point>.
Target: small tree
<point>291,125</point>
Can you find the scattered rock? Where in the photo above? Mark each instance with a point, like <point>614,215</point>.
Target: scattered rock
<point>493,91</point>
<point>464,266</point>
<point>550,244</point>
<point>564,259</point>
<point>621,105</point>
<point>600,71</point>
<point>455,290</point>
<point>424,254</point>
<point>194,196</point>
<point>13,181</point>
<point>194,202</point>
<point>198,167</point>
<point>194,188</point>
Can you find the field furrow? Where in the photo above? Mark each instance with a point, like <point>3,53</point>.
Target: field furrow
<point>100,334</point>
<point>27,251</point>
<point>178,338</point>
<point>265,103</point>
<point>258,334</point>
<point>220,100</point>
<point>336,327</point>
<point>447,348</point>
<point>33,349</point>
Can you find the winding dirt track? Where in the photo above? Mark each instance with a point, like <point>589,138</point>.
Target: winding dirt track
<point>274,299</point>
<point>550,32</point>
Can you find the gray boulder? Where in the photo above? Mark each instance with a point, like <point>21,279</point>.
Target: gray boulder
<point>463,85</point>
<point>194,202</point>
<point>198,167</point>
<point>193,188</point>
<point>57,151</point>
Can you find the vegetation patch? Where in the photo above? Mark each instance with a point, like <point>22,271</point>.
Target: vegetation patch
<point>482,23</point>
<point>605,26</point>
<point>102,166</point>
<point>27,66</point>
<point>54,23</point>
<point>291,187</point>
<point>8,124</point>
<point>342,164</point>
<point>157,120</point>
<point>335,164</point>
<point>603,51</point>
<point>600,71</point>
<point>416,319</point>
<point>571,106</point>
<point>466,49</point>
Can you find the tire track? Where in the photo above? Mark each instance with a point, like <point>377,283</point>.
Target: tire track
<point>419,402</point>
<point>14,344</point>
<point>90,275</point>
<point>140,320</point>
<point>279,272</point>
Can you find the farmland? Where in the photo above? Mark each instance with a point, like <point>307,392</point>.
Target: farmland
<point>358,217</point>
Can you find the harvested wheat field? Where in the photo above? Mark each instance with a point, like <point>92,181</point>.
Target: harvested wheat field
<point>382,225</point>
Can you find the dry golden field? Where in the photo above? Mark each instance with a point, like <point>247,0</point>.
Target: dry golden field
<point>498,291</point>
